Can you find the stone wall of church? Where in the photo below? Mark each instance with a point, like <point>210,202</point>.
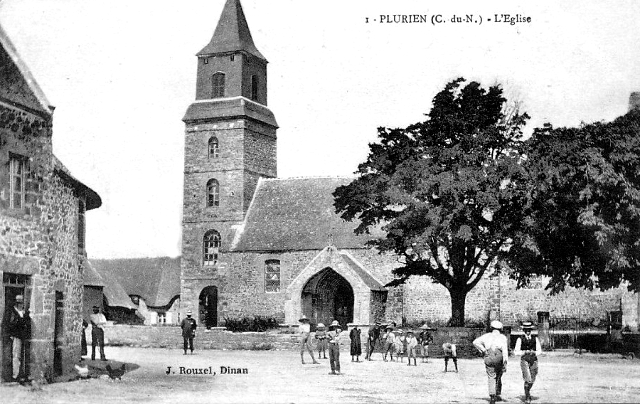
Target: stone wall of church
<point>40,241</point>
<point>240,278</point>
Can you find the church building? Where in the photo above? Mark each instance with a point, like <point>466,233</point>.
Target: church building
<point>254,244</point>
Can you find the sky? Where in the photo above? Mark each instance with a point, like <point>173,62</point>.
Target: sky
<point>121,74</point>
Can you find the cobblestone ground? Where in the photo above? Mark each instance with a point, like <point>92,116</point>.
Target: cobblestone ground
<point>279,377</point>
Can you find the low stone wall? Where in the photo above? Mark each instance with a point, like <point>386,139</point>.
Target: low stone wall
<point>217,338</point>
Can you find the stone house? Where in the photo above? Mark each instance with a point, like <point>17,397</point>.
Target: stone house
<point>42,226</point>
<point>149,286</point>
<point>254,244</point>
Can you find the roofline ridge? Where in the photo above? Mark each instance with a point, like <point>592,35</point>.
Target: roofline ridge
<point>359,264</point>
<point>241,226</point>
<point>22,67</point>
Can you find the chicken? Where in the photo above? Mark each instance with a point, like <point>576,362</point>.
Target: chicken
<point>83,372</point>
<point>116,373</point>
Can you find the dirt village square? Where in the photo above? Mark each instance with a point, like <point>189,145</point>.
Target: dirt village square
<point>279,377</point>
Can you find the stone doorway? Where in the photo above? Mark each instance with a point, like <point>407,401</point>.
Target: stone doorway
<point>209,307</point>
<point>14,285</point>
<point>328,296</point>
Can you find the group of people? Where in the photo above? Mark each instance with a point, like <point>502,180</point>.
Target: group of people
<point>495,349</point>
<point>493,346</point>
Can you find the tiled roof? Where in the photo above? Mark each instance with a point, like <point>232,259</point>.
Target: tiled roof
<point>17,84</point>
<point>156,280</point>
<point>232,33</point>
<point>297,214</point>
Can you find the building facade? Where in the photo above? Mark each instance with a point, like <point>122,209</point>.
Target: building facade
<point>255,244</point>
<point>42,227</point>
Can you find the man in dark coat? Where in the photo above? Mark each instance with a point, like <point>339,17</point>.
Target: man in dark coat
<point>372,339</point>
<point>188,326</point>
<point>19,332</point>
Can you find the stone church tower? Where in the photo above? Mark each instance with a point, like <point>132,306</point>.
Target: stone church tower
<point>230,142</point>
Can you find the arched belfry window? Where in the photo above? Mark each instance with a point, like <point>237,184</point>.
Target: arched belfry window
<point>211,246</point>
<point>254,88</point>
<point>217,83</point>
<point>214,148</point>
<point>213,193</point>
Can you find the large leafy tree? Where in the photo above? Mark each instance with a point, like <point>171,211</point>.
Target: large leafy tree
<point>584,225</point>
<point>449,192</point>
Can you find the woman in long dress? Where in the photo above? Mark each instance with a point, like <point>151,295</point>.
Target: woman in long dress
<point>356,345</point>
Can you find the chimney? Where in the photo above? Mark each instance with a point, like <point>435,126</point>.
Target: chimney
<point>634,100</point>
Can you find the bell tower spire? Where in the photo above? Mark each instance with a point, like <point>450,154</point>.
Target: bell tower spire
<point>230,143</point>
<point>231,65</point>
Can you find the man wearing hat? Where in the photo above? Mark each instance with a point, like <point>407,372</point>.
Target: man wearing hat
<point>305,338</point>
<point>334,347</point>
<point>495,350</point>
<point>424,339</point>
<point>19,328</point>
<point>188,326</point>
<point>528,347</point>
<point>98,322</point>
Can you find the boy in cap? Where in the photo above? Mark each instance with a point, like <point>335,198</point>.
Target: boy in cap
<point>98,322</point>
<point>450,352</point>
<point>188,326</point>
<point>495,350</point>
<point>334,347</point>
<point>305,338</point>
<point>321,336</point>
<point>528,347</point>
<point>412,347</point>
<point>19,328</point>
<point>389,338</point>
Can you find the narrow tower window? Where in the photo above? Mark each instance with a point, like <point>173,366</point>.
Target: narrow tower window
<point>213,193</point>
<point>213,148</point>
<point>211,246</point>
<point>272,276</point>
<point>254,88</point>
<point>218,85</point>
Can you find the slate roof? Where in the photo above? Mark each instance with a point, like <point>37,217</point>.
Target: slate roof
<point>91,276</point>
<point>156,280</point>
<point>295,214</point>
<point>17,84</point>
<point>93,199</point>
<point>232,33</point>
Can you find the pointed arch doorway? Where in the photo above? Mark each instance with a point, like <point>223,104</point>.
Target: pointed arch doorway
<point>209,306</point>
<point>328,296</point>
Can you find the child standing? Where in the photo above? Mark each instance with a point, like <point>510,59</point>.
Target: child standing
<point>412,346</point>
<point>321,336</point>
<point>389,338</point>
<point>398,344</point>
<point>450,352</point>
<point>334,347</point>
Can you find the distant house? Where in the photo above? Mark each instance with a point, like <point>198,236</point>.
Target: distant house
<point>42,221</point>
<point>151,287</point>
